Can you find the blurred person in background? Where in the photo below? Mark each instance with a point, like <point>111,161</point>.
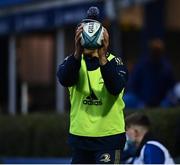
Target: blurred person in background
<point>151,79</point>
<point>128,152</point>
<point>173,97</point>
<point>96,80</point>
<point>148,149</point>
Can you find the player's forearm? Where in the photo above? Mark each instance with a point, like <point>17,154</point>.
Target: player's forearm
<point>114,82</point>
<point>68,72</point>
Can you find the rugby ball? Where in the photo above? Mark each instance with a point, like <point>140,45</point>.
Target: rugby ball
<point>92,35</point>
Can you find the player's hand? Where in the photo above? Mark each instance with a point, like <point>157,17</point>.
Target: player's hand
<point>78,47</point>
<point>103,50</point>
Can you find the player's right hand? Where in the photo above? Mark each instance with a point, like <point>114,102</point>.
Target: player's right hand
<point>78,47</point>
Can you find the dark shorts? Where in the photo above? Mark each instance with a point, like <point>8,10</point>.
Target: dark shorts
<point>97,150</point>
<point>80,156</point>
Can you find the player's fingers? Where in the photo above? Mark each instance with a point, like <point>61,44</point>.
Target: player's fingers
<point>79,28</point>
<point>106,35</point>
<point>78,36</point>
<point>106,39</point>
<point>78,33</point>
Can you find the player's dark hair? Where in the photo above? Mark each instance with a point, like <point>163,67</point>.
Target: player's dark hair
<point>137,119</point>
<point>93,13</point>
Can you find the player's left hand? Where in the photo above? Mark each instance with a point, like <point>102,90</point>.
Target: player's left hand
<point>103,50</point>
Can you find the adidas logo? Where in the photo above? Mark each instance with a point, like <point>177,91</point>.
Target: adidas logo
<point>92,100</point>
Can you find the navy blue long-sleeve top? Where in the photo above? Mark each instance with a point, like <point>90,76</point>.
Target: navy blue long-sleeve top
<point>114,73</point>
<point>115,76</point>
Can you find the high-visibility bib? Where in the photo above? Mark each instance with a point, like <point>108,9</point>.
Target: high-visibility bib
<point>94,111</point>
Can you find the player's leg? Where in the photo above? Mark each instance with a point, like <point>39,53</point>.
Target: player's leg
<point>108,157</point>
<point>80,156</point>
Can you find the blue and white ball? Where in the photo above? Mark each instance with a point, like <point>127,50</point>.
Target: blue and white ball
<point>92,35</point>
